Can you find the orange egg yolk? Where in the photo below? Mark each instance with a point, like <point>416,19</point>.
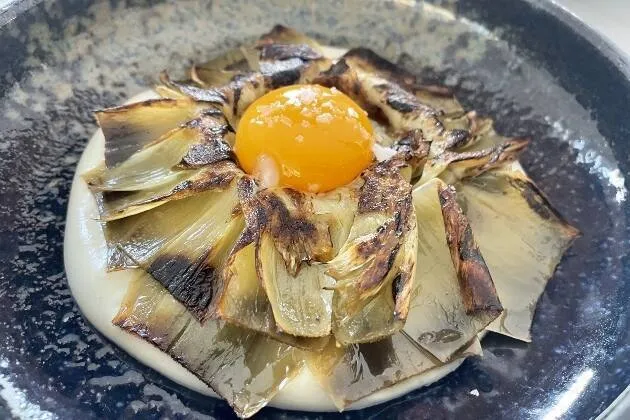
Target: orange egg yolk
<point>306,137</point>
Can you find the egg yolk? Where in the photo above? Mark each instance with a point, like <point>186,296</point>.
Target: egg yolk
<point>306,137</point>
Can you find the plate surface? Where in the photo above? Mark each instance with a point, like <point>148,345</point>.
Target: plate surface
<point>533,68</point>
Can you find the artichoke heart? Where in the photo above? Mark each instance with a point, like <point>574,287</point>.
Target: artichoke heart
<point>374,269</point>
<point>289,253</point>
<point>244,367</point>
<point>246,299</point>
<point>524,255</point>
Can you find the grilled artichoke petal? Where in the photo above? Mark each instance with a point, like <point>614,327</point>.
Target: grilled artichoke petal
<point>244,302</point>
<point>374,269</point>
<point>301,307</point>
<point>114,205</point>
<point>290,244</point>
<point>226,67</point>
<point>451,303</point>
<point>200,142</point>
<point>183,244</point>
<point>245,368</point>
<point>523,257</point>
<point>281,58</point>
<point>130,128</point>
<point>350,373</point>
<point>471,148</point>
<point>153,166</point>
<point>453,166</point>
<point>439,98</point>
<point>280,34</point>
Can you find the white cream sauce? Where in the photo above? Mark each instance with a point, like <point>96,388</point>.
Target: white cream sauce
<point>99,295</point>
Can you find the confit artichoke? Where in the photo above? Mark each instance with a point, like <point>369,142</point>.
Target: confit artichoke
<point>401,269</point>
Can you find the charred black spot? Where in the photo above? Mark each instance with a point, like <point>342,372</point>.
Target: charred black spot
<point>189,281</point>
<point>285,223</point>
<point>296,197</point>
<point>468,250</point>
<point>398,286</point>
<point>380,64</point>
<point>412,148</point>
<point>334,74</point>
<point>536,200</point>
<point>252,211</point>
<point>383,189</point>
<point>237,97</point>
<point>456,138</point>
<point>400,103</point>
<point>206,154</point>
<point>183,186</point>
<point>379,356</point>
<point>446,335</point>
<point>287,51</point>
<point>410,139</point>
<point>219,179</point>
<point>282,73</point>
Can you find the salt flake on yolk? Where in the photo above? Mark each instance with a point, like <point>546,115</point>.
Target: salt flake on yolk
<point>315,139</point>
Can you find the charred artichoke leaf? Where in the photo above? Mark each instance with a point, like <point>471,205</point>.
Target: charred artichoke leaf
<point>183,244</point>
<point>468,129</point>
<point>223,69</point>
<point>244,300</point>
<point>470,150</point>
<point>351,373</point>
<point>288,64</point>
<point>200,142</point>
<point>386,92</point>
<point>245,368</point>
<point>114,205</point>
<point>452,299</point>
<point>374,269</point>
<point>385,100</point>
<point>439,98</point>
<point>280,34</point>
<point>290,248</point>
<point>277,64</point>
<point>130,128</point>
<point>522,240</point>
<point>152,166</point>
<point>453,166</point>
<point>301,307</point>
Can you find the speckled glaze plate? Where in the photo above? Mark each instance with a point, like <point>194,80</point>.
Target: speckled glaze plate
<point>528,64</point>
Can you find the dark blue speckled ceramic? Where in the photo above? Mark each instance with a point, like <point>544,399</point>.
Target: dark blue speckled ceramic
<point>531,66</point>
